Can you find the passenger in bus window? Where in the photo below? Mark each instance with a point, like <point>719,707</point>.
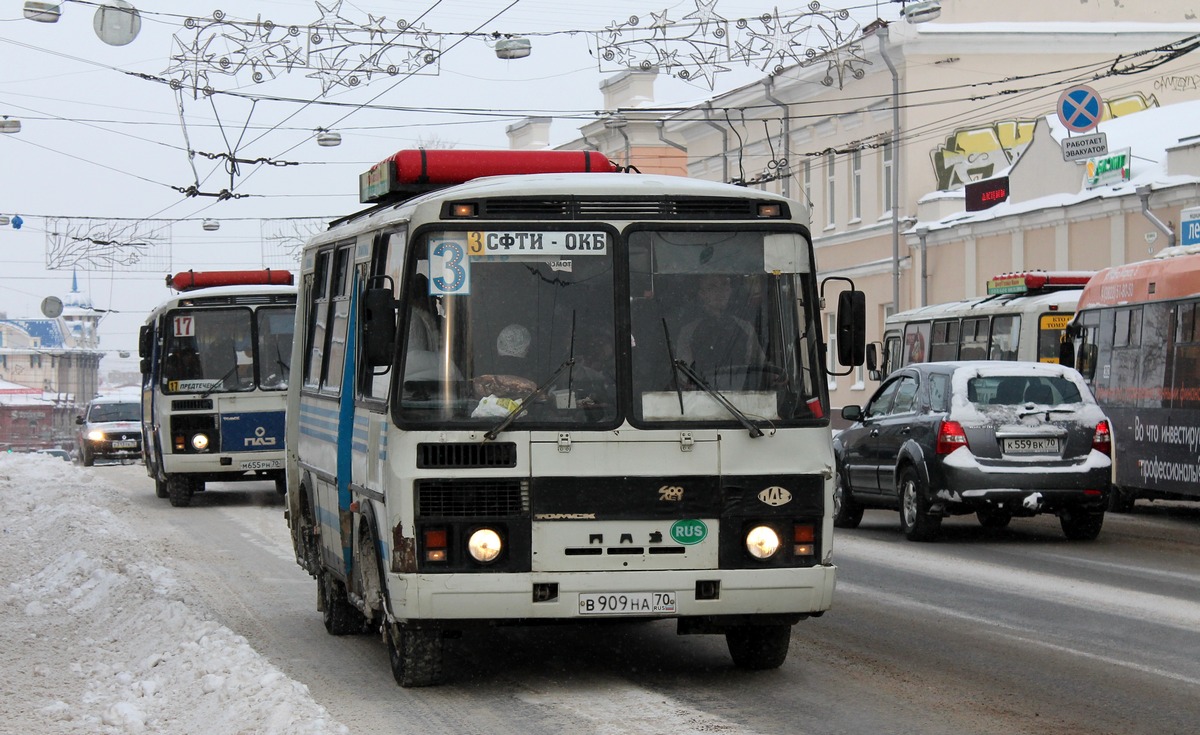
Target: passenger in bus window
<point>511,366</point>
<point>182,363</point>
<point>721,347</point>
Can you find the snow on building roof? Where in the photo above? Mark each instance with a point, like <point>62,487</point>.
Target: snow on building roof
<point>1148,134</point>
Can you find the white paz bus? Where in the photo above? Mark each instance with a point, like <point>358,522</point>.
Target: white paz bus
<point>1023,317</point>
<point>532,389</point>
<point>215,363</point>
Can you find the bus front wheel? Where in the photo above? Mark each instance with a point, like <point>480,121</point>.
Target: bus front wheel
<point>758,647</point>
<point>180,489</point>
<point>415,655</point>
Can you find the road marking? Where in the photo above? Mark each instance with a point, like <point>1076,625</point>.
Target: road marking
<point>1005,628</point>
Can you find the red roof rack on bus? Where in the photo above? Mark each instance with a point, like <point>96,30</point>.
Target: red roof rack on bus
<point>412,172</point>
<point>1037,281</point>
<point>192,280</point>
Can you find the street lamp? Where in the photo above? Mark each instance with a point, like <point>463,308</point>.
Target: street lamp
<point>42,12</point>
<point>10,125</point>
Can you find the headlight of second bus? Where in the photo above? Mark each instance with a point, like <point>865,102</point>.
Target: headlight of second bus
<point>200,442</point>
<point>484,545</point>
<point>762,542</point>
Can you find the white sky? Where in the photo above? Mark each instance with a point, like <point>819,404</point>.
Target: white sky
<point>98,142</point>
<point>96,635</point>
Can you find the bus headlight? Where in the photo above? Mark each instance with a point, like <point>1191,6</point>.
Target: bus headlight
<point>95,435</point>
<point>200,442</point>
<point>762,542</point>
<point>484,545</point>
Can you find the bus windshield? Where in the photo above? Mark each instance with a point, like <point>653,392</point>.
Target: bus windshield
<point>215,350</point>
<point>488,329</point>
<point>708,323</point>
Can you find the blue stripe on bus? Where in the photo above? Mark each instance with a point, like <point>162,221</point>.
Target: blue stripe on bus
<point>346,418</point>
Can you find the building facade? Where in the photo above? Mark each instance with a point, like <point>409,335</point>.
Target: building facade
<point>881,139</point>
<point>50,369</point>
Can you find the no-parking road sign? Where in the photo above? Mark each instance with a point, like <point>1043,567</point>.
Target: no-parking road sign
<point>1079,108</point>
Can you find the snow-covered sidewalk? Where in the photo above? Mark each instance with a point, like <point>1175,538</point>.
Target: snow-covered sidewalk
<point>96,635</point>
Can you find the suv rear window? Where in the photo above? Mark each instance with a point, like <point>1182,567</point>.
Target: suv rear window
<point>1015,390</point>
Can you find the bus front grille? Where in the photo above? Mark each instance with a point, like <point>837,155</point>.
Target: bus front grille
<point>467,455</point>
<point>472,498</point>
<point>192,404</point>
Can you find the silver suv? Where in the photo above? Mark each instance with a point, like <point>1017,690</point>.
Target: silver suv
<point>110,428</point>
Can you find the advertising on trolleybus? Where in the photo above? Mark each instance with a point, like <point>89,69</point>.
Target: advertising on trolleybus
<point>1023,317</point>
<point>215,363</point>
<point>1137,341</point>
<point>575,395</point>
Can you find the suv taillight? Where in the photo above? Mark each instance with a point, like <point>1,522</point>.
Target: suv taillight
<point>950,437</point>
<point>1102,439</point>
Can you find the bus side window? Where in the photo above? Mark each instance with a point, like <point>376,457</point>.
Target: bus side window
<point>974,339</point>
<point>317,310</point>
<point>1006,332</point>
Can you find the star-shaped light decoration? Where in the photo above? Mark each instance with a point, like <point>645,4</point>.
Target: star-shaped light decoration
<point>705,14</point>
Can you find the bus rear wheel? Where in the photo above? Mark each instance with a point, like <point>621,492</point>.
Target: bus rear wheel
<point>338,614</point>
<point>415,655</point>
<point>758,647</point>
<point>180,489</point>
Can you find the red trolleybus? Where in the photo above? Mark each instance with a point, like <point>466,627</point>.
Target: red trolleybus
<point>1023,317</point>
<point>504,412</point>
<point>1137,339</point>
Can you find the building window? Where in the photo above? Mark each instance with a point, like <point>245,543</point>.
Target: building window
<point>856,186</point>
<point>806,179</point>
<point>887,176</point>
<point>830,191</point>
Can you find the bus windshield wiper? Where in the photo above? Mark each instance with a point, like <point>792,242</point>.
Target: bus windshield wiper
<point>538,392</point>
<point>220,382</point>
<point>719,397</point>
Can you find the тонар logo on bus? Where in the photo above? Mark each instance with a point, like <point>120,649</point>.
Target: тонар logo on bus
<point>688,532</point>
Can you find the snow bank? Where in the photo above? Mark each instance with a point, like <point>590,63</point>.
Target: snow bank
<point>95,633</point>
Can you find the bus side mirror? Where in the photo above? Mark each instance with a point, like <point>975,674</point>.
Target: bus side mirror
<point>145,341</point>
<point>851,328</point>
<point>378,326</point>
<point>873,371</point>
<point>1066,353</point>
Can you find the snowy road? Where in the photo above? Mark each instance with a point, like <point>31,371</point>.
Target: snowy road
<point>1014,631</point>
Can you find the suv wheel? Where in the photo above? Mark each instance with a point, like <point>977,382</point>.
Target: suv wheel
<point>915,520</point>
<point>993,517</point>
<point>846,512</point>
<point>1081,525</point>
<point>87,458</point>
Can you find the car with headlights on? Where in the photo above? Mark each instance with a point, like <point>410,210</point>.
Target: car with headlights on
<point>109,428</point>
<point>1001,440</point>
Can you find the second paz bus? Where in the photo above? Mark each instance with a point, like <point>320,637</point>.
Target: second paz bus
<point>549,391</point>
<point>215,363</point>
